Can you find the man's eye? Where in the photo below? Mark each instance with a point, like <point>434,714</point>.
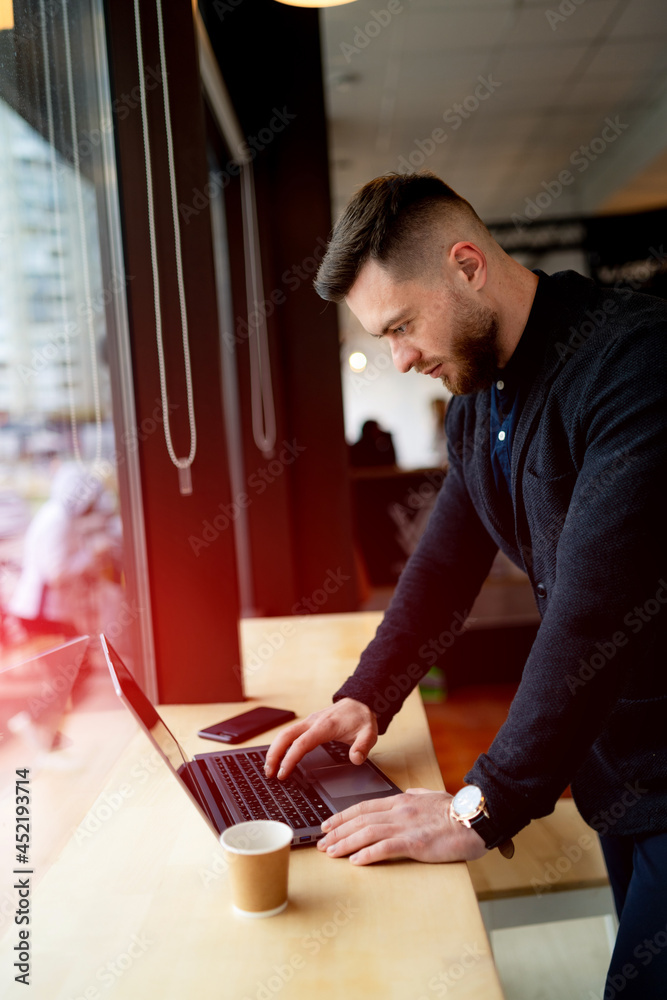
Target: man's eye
<point>400,329</point>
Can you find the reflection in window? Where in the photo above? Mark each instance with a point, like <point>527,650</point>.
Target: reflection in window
<point>62,568</point>
<point>49,315</point>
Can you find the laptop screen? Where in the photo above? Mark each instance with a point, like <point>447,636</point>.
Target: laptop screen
<point>155,728</point>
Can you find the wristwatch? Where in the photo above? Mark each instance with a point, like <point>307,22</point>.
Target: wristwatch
<point>469,807</point>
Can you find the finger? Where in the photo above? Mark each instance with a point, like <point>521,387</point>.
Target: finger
<point>393,847</point>
<point>367,806</point>
<point>418,791</point>
<point>308,740</point>
<point>361,822</point>
<point>282,741</point>
<point>362,745</point>
<point>355,837</point>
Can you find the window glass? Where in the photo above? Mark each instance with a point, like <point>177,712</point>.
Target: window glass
<point>64,565</point>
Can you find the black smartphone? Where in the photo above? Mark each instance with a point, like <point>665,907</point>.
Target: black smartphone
<point>248,724</point>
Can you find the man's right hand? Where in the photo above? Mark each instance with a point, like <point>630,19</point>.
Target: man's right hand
<point>347,720</point>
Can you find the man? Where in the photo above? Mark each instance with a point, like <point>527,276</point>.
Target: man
<point>557,450</point>
<point>375,447</point>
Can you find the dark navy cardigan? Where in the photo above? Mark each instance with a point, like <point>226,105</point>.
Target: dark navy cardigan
<point>586,520</point>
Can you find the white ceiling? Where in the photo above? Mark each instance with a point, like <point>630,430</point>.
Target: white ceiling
<point>555,77</point>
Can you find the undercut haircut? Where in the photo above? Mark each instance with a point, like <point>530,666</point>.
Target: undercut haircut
<point>404,222</point>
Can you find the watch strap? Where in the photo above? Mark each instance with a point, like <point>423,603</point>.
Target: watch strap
<point>482,825</point>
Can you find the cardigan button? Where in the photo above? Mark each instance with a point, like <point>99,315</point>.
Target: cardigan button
<point>541,590</point>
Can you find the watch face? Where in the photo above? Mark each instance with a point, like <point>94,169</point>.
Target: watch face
<point>468,801</point>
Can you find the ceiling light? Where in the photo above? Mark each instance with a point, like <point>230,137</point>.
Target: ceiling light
<point>315,3</point>
<point>357,361</point>
<point>6,15</point>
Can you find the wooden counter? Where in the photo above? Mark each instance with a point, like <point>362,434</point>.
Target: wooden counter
<point>137,905</point>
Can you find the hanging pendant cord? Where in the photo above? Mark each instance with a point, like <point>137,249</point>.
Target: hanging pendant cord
<point>180,463</point>
<point>92,346</point>
<point>82,237</point>
<point>261,387</point>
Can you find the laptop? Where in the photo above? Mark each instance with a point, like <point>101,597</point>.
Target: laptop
<point>229,786</point>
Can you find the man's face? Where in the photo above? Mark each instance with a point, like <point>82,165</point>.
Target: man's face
<point>431,326</point>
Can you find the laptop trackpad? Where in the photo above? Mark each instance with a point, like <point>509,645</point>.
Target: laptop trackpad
<point>343,781</point>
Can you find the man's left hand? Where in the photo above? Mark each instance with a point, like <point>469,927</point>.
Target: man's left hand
<point>416,824</point>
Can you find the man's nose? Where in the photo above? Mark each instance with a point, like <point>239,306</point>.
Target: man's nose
<point>403,356</point>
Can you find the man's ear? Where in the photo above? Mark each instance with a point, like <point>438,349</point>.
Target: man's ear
<point>470,261</point>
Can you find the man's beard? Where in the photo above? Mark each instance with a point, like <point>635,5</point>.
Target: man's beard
<point>474,355</point>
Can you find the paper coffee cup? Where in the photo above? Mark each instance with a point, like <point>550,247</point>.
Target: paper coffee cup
<point>258,855</point>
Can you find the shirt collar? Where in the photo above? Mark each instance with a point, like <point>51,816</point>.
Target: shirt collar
<point>531,345</point>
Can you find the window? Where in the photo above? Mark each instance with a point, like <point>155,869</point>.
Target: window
<point>71,553</point>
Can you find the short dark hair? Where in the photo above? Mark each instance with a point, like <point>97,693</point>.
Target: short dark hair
<point>387,220</point>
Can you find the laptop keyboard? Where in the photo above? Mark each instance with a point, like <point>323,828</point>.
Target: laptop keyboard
<point>259,797</point>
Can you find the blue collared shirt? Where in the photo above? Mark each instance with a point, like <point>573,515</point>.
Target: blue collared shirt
<point>507,396</point>
<point>505,408</point>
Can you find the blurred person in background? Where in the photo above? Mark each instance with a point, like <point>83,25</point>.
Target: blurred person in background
<point>439,410</point>
<point>60,555</point>
<point>375,447</point>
